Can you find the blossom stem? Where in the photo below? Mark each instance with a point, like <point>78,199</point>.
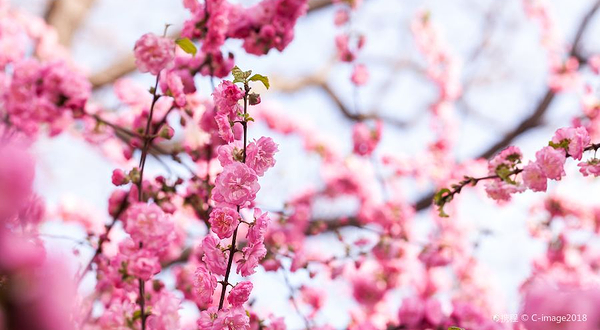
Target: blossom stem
<point>232,249</point>
<point>147,142</point>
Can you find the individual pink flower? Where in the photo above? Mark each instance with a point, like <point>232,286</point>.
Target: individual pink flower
<point>224,126</point>
<point>223,221</point>
<point>240,293</point>
<point>412,312</point>
<point>534,178</point>
<point>313,297</point>
<point>360,75</point>
<point>576,138</point>
<point>226,97</point>
<point>236,185</point>
<point>165,311</point>
<point>551,161</point>
<point>234,318</point>
<point>257,231</point>
<point>207,318</point>
<point>509,157</point>
<point>368,290</point>
<point>144,264</point>
<point>149,225</point>
<point>252,256</point>
<point>119,178</point>
<point>215,259</point>
<point>366,139</point>
<point>260,155</point>
<point>229,153</point>
<point>153,53</point>
<point>172,83</point>
<point>205,284</point>
<point>591,167</point>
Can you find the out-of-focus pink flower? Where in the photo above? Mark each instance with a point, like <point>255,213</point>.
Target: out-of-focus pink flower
<point>153,53</point>
<point>366,139</point>
<point>360,75</point>
<point>591,167</point>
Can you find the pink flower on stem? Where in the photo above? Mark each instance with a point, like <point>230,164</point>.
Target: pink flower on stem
<point>226,97</point>
<point>591,167</point>
<point>252,256</point>
<point>534,178</point>
<point>230,153</point>
<point>205,284</point>
<point>256,232</point>
<point>144,264</point>
<point>360,75</point>
<point>366,139</point>
<point>240,293</point>
<point>576,140</point>
<point>234,318</point>
<point>260,155</point>
<point>149,225</point>
<point>215,259</point>
<point>153,53</point>
<point>119,178</point>
<point>236,185</point>
<point>223,221</point>
<point>225,131</point>
<point>552,162</point>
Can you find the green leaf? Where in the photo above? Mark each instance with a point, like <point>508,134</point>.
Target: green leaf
<point>455,328</point>
<point>187,46</point>
<point>239,75</point>
<point>261,78</point>
<point>504,172</point>
<point>564,144</point>
<point>137,314</point>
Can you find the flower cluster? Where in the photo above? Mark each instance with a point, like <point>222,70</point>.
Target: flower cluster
<point>44,93</point>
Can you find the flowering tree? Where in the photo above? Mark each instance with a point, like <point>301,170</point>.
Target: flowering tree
<point>185,244</point>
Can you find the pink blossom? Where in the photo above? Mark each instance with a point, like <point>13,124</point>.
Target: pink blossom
<point>591,167</point>
<point>165,311</point>
<point>119,178</point>
<point>16,177</point>
<point>366,139</point>
<point>240,293</point>
<point>576,138</point>
<point>172,83</point>
<point>260,155</point>
<point>144,264</point>
<point>215,259</point>
<point>223,221</point>
<point>224,128</point>
<point>149,225</point>
<point>229,153</point>
<point>257,231</point>
<point>360,75</point>
<point>236,185</point>
<point>411,312</point>
<point>551,161</point>
<point>153,53</point>
<point>367,291</point>
<point>252,256</point>
<point>226,97</point>
<point>205,284</point>
<point>534,178</point>
<point>207,319</point>
<point>313,297</point>
<point>234,318</point>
